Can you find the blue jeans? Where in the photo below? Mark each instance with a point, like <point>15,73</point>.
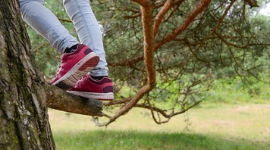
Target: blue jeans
<point>46,23</point>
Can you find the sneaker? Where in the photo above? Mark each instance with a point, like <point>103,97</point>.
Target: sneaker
<point>89,88</point>
<point>74,66</point>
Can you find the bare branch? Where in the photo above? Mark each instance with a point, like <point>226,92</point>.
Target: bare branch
<point>163,112</point>
<point>61,100</point>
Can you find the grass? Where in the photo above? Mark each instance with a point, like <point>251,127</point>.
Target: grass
<point>209,127</point>
<point>134,140</point>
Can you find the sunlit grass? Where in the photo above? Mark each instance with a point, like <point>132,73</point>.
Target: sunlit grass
<point>206,127</point>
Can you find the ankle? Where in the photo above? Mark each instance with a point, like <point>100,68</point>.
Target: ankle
<point>97,78</point>
<point>71,49</point>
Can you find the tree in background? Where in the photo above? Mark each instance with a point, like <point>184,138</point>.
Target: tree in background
<point>164,54</point>
<point>169,52</point>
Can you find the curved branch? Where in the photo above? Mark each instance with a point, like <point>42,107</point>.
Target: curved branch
<point>145,89</point>
<point>185,24</point>
<point>147,13</point>
<point>163,112</point>
<point>166,7</point>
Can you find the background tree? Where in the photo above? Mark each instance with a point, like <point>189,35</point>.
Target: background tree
<point>187,44</point>
<point>164,54</point>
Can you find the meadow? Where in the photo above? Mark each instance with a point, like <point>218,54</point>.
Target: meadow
<point>206,127</point>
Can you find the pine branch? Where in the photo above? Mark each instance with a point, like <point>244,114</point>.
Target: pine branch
<point>61,100</point>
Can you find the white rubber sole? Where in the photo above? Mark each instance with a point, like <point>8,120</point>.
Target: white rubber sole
<point>91,95</point>
<point>85,65</point>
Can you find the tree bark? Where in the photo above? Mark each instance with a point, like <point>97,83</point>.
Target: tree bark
<point>24,94</point>
<point>61,100</point>
<point>23,112</point>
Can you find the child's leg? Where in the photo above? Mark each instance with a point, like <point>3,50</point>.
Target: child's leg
<point>88,31</point>
<point>73,65</point>
<point>46,23</point>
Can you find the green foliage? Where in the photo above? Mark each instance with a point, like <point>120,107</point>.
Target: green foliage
<point>236,90</point>
<point>192,61</point>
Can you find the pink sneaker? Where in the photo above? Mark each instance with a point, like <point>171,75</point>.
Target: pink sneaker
<point>75,65</point>
<point>90,88</point>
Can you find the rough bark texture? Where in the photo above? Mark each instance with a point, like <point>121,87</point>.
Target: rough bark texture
<point>61,100</point>
<point>24,94</point>
<point>23,111</point>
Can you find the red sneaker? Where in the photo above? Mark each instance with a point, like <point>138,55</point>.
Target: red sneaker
<point>90,88</point>
<point>75,65</point>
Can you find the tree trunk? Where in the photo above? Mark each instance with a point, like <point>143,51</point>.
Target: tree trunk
<point>23,111</point>
<point>24,94</point>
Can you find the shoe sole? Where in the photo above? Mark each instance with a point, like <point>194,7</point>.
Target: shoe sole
<point>91,95</point>
<point>84,66</point>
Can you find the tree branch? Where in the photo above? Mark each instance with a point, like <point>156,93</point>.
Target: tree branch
<point>65,20</point>
<point>145,3</point>
<point>172,36</point>
<point>166,7</point>
<point>163,112</point>
<point>61,100</point>
<point>185,24</point>
<point>145,89</point>
<point>123,101</point>
<point>240,46</point>
<point>148,33</point>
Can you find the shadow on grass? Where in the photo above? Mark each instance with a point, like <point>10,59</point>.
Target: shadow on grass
<point>134,140</point>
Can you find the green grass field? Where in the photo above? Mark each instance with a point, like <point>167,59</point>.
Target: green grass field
<point>208,127</point>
